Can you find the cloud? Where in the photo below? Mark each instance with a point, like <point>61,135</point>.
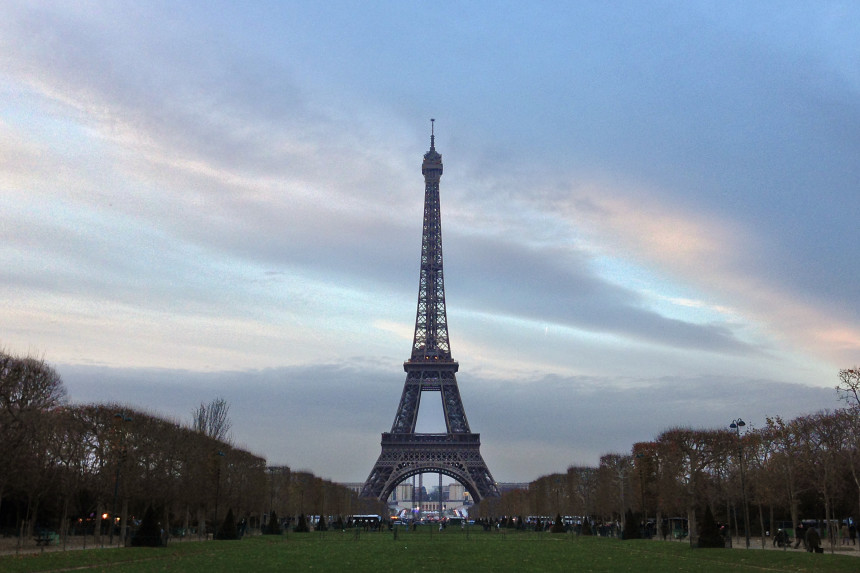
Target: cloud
<point>329,418</point>
<point>558,285</point>
<point>319,233</point>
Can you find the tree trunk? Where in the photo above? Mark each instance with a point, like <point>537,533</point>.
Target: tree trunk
<point>737,531</point>
<point>772,523</point>
<point>795,517</point>
<point>32,513</point>
<point>761,520</point>
<point>185,523</point>
<point>691,523</point>
<point>98,526</point>
<point>201,524</point>
<point>856,481</point>
<point>123,521</point>
<point>64,522</point>
<point>827,507</point>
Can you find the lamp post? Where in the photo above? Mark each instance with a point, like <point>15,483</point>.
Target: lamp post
<point>218,455</point>
<point>271,494</point>
<point>118,419</point>
<point>440,497</point>
<point>558,495</point>
<point>640,461</point>
<point>736,425</point>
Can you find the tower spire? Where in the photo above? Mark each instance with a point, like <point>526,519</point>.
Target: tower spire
<point>431,323</point>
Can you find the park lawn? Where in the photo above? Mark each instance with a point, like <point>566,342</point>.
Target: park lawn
<point>452,550</point>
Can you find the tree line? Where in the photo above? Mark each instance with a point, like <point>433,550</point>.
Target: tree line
<point>806,468</point>
<point>96,468</point>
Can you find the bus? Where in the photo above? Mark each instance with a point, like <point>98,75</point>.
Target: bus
<point>369,521</point>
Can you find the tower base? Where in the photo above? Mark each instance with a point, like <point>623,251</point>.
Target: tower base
<point>455,455</point>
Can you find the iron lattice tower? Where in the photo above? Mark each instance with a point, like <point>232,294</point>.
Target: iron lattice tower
<point>430,368</point>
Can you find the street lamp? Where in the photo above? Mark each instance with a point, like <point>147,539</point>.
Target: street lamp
<point>218,455</point>
<point>640,461</point>
<point>558,495</point>
<point>736,425</point>
<point>118,419</point>
<point>440,496</point>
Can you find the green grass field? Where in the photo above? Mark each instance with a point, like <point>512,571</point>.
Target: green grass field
<point>452,550</point>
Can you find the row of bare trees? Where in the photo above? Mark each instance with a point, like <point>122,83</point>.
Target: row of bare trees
<point>786,471</point>
<point>95,468</point>
<point>293,493</point>
<point>29,388</point>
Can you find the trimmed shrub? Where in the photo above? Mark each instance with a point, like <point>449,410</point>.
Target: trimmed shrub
<point>321,524</point>
<point>149,533</point>
<point>558,526</point>
<point>586,527</point>
<point>274,525</point>
<point>631,525</point>
<point>302,525</point>
<point>709,534</point>
<point>813,540</point>
<point>228,529</point>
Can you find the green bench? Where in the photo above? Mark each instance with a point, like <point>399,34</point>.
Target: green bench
<point>46,538</point>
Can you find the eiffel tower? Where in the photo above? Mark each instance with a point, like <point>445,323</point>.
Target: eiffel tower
<point>406,453</point>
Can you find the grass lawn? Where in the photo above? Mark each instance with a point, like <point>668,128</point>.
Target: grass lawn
<point>452,550</point>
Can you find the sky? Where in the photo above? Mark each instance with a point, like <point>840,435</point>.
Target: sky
<point>649,214</point>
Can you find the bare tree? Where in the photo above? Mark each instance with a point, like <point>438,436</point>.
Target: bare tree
<point>213,419</point>
<point>29,387</point>
<point>615,471</point>
<point>849,391</point>
<point>582,484</point>
<point>849,386</point>
<point>822,446</point>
